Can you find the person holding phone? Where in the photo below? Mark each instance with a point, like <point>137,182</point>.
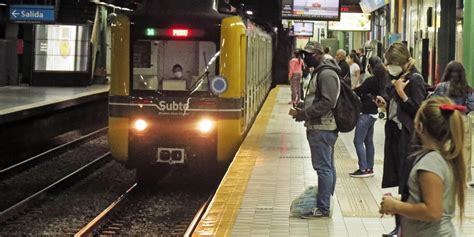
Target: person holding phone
<point>402,100</point>
<point>321,127</point>
<point>372,87</point>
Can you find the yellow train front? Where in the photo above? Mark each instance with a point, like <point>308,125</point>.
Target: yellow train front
<point>160,120</point>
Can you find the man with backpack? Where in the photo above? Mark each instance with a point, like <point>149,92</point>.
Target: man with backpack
<point>322,131</point>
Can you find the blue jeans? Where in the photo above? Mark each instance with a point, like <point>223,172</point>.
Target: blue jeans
<point>321,144</point>
<point>364,141</point>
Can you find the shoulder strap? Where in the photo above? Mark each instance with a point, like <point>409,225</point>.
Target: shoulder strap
<point>338,82</point>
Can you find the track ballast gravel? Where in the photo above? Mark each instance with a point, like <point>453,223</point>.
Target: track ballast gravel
<point>18,187</point>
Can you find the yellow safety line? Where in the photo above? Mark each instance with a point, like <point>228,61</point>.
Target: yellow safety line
<point>220,217</point>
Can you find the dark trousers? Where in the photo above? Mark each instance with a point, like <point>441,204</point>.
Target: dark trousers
<point>398,146</point>
<point>396,164</point>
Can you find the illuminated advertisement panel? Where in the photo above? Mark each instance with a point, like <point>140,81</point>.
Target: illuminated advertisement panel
<point>351,22</point>
<point>311,9</point>
<point>61,48</point>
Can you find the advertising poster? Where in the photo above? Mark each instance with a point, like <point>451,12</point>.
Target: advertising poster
<point>61,48</point>
<point>351,22</point>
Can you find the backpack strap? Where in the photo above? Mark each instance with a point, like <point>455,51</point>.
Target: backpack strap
<point>338,83</point>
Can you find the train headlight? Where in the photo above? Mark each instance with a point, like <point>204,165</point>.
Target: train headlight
<point>206,125</point>
<point>140,125</point>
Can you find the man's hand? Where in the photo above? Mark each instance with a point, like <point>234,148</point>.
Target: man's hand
<point>300,116</point>
<point>293,112</point>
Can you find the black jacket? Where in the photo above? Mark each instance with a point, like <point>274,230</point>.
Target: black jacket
<point>416,92</point>
<point>363,64</point>
<point>345,71</point>
<point>396,160</point>
<point>367,93</point>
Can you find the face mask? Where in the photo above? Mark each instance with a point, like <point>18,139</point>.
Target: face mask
<point>394,70</point>
<point>178,74</point>
<point>311,61</point>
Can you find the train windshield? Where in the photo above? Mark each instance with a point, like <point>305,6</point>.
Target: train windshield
<point>171,65</point>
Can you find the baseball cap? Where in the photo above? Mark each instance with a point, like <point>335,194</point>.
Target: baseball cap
<point>312,46</point>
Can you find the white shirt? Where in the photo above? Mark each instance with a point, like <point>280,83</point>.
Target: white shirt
<point>354,67</point>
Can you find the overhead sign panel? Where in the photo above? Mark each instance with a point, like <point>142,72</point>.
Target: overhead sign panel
<point>311,9</point>
<point>302,29</point>
<point>32,13</point>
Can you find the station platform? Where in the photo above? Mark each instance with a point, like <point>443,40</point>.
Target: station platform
<point>18,103</point>
<point>273,167</point>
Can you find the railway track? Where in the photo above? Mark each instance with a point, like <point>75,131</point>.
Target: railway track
<point>30,201</point>
<point>96,226</point>
<point>113,218</point>
<point>200,213</point>
<point>46,155</point>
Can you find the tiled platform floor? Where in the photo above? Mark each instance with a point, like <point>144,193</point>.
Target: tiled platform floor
<point>283,170</point>
<point>17,98</point>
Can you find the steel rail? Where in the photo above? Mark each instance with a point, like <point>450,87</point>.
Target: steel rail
<point>74,176</point>
<point>200,213</point>
<point>28,163</point>
<point>99,220</point>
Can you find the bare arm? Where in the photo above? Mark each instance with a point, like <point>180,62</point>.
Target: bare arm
<point>430,209</point>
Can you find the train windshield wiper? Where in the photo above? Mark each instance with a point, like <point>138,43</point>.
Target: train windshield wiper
<point>205,75</point>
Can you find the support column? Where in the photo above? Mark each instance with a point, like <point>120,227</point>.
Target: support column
<point>342,40</point>
<point>405,19</point>
<point>446,34</point>
<point>468,41</point>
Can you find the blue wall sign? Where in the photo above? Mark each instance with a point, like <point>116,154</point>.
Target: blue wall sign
<point>32,13</point>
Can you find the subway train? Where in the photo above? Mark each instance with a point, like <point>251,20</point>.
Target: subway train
<point>185,87</point>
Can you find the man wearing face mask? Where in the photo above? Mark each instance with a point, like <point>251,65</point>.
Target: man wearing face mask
<point>178,75</point>
<point>404,97</point>
<point>321,129</point>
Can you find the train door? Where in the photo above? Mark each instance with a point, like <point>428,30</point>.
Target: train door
<point>249,71</point>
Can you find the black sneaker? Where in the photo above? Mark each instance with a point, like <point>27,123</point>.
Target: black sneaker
<point>361,174</point>
<point>394,233</point>
<point>316,213</point>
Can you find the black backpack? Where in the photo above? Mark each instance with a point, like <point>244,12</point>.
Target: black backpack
<point>348,106</point>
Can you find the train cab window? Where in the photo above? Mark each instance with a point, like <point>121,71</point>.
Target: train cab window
<point>168,65</point>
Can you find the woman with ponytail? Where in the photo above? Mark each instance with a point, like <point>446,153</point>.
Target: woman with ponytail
<point>402,99</point>
<point>437,178</point>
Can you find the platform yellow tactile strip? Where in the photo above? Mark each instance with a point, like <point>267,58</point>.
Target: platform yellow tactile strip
<point>220,217</point>
<point>353,194</point>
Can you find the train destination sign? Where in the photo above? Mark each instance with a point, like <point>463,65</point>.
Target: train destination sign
<point>32,13</point>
